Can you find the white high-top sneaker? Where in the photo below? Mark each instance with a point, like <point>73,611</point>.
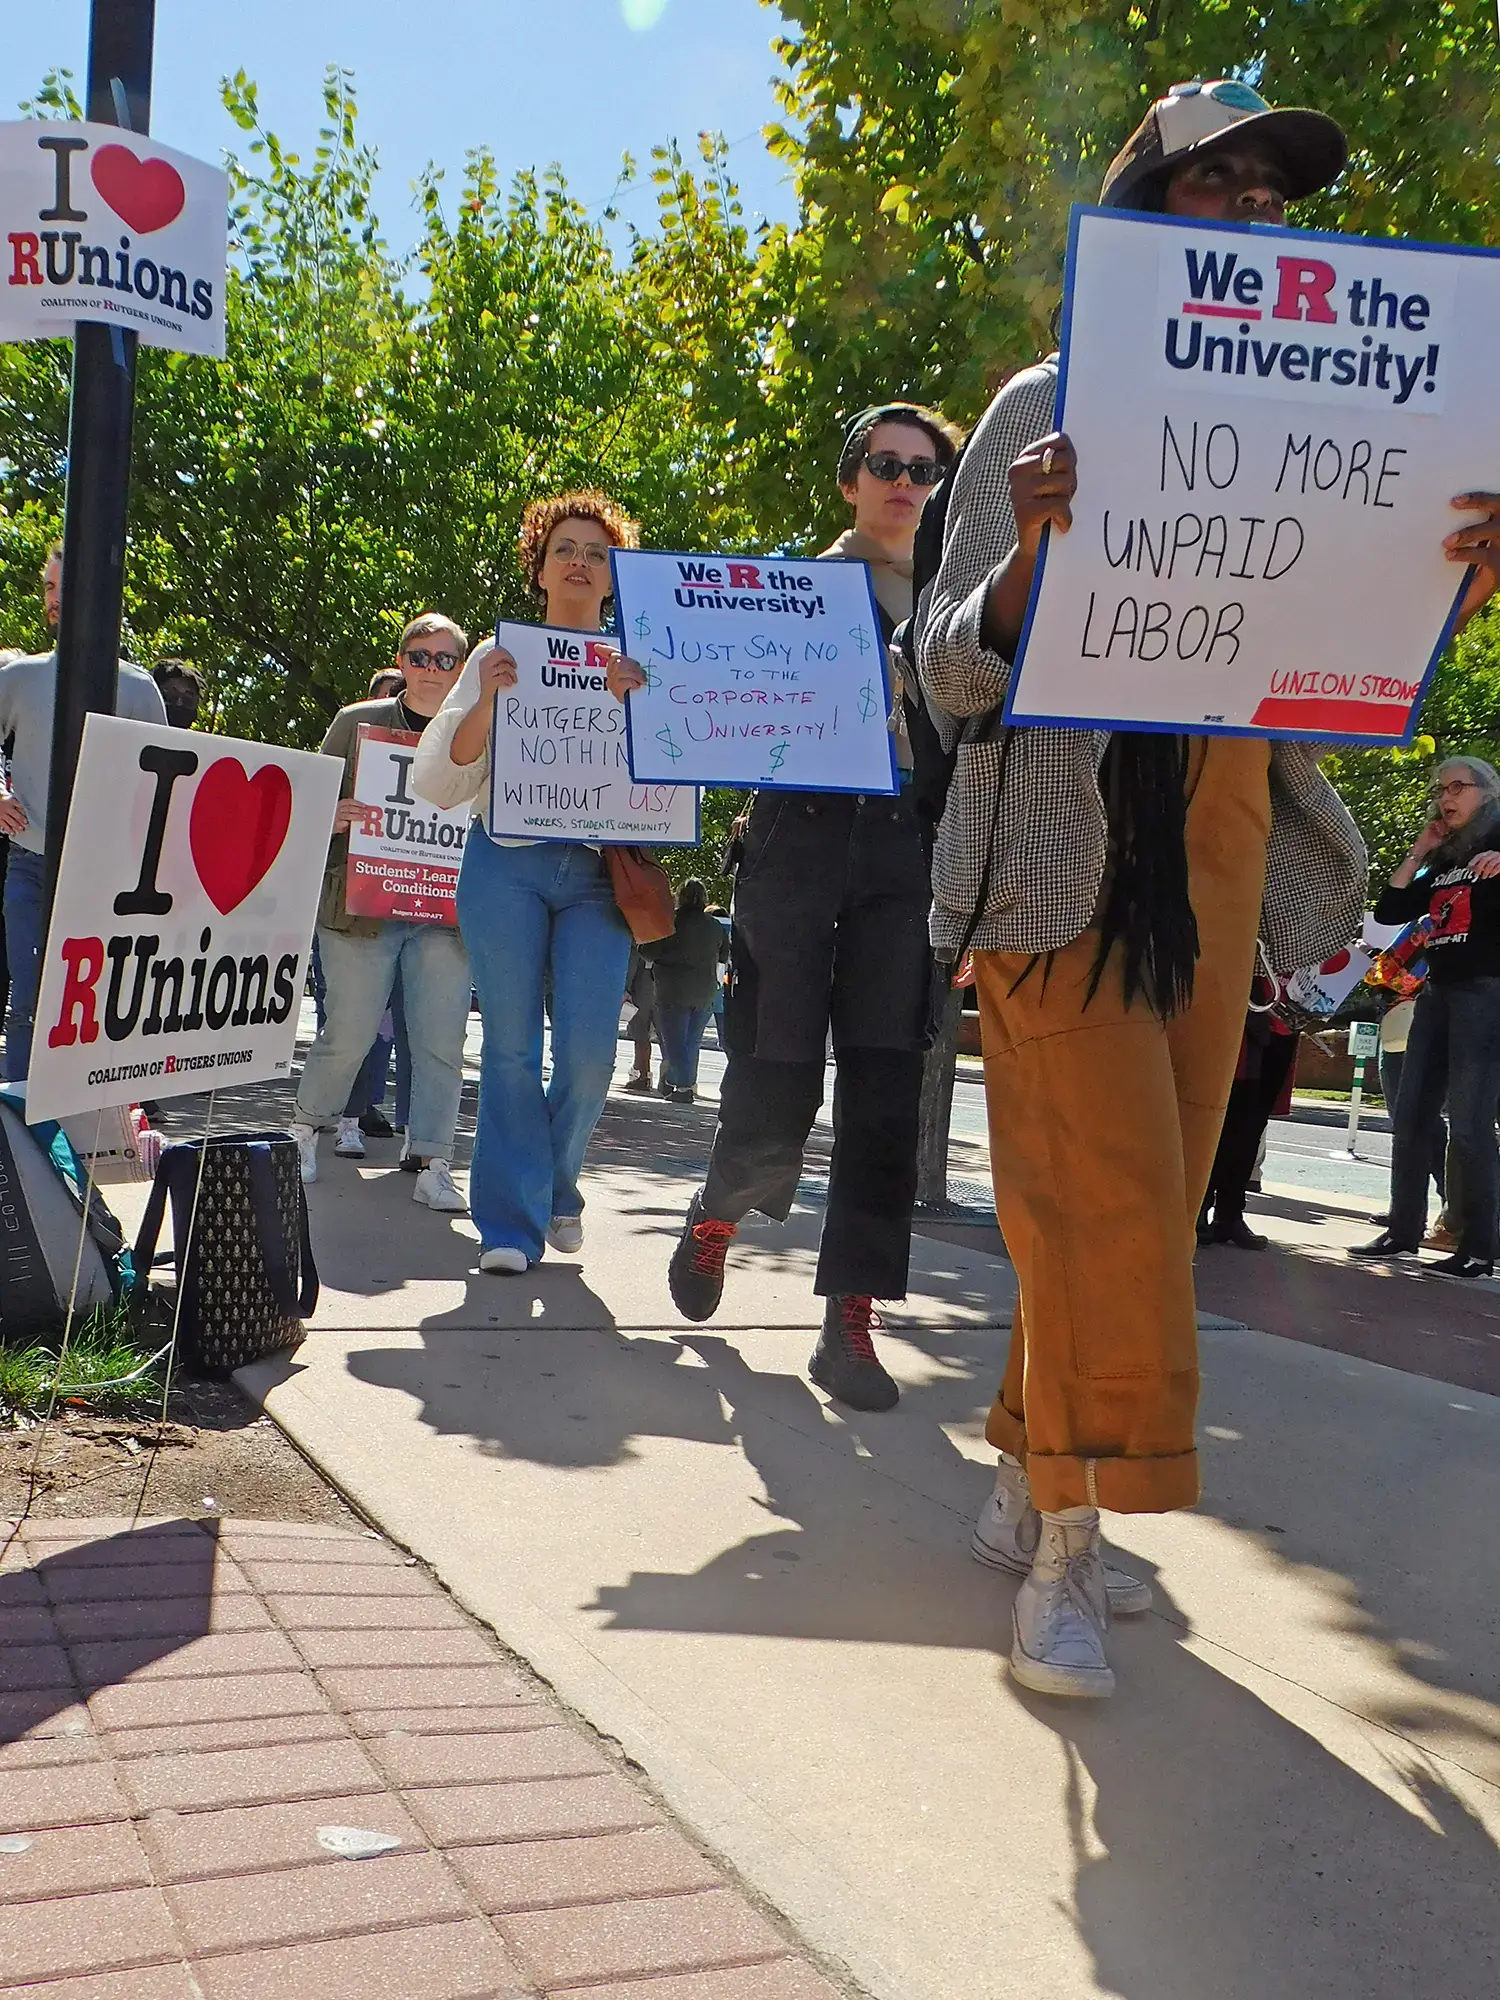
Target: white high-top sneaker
<point>1006,1534</point>
<point>307,1149</point>
<point>1062,1613</point>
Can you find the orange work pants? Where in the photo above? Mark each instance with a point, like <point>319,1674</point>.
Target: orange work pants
<point>1103,1125</point>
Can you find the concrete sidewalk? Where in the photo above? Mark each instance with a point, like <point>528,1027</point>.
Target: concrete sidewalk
<point>252,1760</point>
<point>768,1602</point>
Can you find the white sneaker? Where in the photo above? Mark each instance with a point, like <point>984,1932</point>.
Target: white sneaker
<point>349,1141</point>
<point>565,1233</point>
<point>307,1150</point>
<point>503,1263</point>
<point>1062,1613</point>
<point>435,1186</point>
<point>1006,1534</point>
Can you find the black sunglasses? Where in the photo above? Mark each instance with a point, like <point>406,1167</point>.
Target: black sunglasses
<point>889,466</point>
<point>420,657</point>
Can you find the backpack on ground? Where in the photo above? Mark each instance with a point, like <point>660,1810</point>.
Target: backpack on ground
<point>244,1260</point>
<point>44,1199</point>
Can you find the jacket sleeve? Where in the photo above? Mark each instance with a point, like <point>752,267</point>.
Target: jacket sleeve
<point>962,675</point>
<point>1403,906</point>
<point>435,776</point>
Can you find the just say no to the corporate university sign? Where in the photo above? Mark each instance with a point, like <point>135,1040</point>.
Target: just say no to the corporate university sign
<point>1271,425</point>
<point>104,224</point>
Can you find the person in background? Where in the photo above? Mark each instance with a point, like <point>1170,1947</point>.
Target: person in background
<point>640,990</point>
<point>28,685</point>
<point>721,985</point>
<point>686,966</point>
<point>1451,878</point>
<point>1402,971</point>
<point>830,932</point>
<point>1268,1053</point>
<point>533,912</point>
<point>367,1093</point>
<point>1111,886</point>
<point>360,956</point>
<point>181,689</point>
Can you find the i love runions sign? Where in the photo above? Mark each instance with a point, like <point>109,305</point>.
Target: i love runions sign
<point>183,922</point>
<point>104,224</point>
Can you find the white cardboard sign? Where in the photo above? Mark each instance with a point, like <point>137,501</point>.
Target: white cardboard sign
<point>760,671</point>
<point>559,769</point>
<point>404,855</point>
<point>184,915</point>
<point>104,224</point>
<point>1270,426</point>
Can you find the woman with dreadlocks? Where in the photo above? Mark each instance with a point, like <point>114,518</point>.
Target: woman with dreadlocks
<point>1113,886</point>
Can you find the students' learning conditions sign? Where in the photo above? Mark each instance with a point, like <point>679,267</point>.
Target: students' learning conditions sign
<point>183,922</point>
<point>104,224</point>
<point>1270,426</point>
<point>404,855</point>
<point>558,763</point>
<point>761,671</point>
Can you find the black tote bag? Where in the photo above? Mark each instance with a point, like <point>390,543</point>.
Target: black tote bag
<point>245,1267</point>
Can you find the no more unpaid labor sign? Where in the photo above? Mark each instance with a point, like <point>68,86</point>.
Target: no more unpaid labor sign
<point>1270,426</point>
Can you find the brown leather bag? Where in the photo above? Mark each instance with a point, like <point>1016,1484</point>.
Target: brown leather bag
<point>643,893</point>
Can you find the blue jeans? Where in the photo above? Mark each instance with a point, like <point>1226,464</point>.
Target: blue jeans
<point>681,1030</point>
<point>25,876</point>
<point>358,973</point>
<point>367,1092</point>
<point>525,913</point>
<point>1454,1050</point>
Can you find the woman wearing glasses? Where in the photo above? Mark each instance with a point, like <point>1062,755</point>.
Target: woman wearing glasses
<point>830,931</point>
<point>361,956</point>
<point>540,921</point>
<point>1451,877</point>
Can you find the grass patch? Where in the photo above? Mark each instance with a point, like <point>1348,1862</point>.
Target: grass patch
<point>102,1349</point>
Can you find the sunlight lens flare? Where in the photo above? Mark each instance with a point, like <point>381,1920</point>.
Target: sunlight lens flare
<point>642,14</point>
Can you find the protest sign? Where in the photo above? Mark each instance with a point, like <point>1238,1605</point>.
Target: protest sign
<point>759,671</point>
<point>1323,989</point>
<point>404,855</point>
<point>183,922</point>
<point>105,224</point>
<point>558,763</point>
<point>1270,426</point>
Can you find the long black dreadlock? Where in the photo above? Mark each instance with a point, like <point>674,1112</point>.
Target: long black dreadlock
<point>1147,909</point>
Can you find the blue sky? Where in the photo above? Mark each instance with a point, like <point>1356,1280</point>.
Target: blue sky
<point>535,80</point>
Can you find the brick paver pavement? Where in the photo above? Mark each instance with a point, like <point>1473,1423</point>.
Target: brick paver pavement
<point>198,1719</point>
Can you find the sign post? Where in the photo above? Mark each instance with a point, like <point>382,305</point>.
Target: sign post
<point>101,415</point>
<point>1364,1042</point>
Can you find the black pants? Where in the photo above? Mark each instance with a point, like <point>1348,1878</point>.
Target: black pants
<point>830,933</point>
<point>1251,1100</point>
<point>1453,1050</point>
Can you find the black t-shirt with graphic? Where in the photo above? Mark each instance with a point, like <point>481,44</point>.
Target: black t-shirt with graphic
<point>1462,922</point>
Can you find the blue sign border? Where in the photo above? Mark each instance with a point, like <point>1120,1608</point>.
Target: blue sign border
<point>573,839</point>
<point>764,784</point>
<point>1081,212</point>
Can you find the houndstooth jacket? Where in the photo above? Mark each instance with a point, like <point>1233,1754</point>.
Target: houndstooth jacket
<point>1050,836</point>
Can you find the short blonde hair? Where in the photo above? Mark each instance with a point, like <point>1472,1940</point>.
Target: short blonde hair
<point>432,621</point>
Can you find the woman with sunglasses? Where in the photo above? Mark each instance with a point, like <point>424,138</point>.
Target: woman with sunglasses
<point>540,919</point>
<point>1451,877</point>
<point>830,932</point>
<point>361,957</point>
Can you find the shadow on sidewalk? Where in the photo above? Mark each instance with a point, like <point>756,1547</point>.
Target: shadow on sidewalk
<point>84,1618</point>
<point>1221,1850</point>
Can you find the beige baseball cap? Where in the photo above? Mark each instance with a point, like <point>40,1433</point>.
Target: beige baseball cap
<point>1195,117</point>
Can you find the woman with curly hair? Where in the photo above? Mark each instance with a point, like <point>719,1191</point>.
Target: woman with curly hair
<point>538,917</point>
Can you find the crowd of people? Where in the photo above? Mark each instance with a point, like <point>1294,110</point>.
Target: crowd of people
<point>1112,889</point>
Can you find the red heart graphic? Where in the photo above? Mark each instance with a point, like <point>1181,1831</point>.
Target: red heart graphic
<point>237,827</point>
<point>145,194</point>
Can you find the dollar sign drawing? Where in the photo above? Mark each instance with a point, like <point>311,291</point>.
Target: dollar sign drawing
<point>867,701</point>
<point>778,758</point>
<point>861,638</point>
<point>643,626</point>
<point>665,738</point>
<point>652,680</point>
